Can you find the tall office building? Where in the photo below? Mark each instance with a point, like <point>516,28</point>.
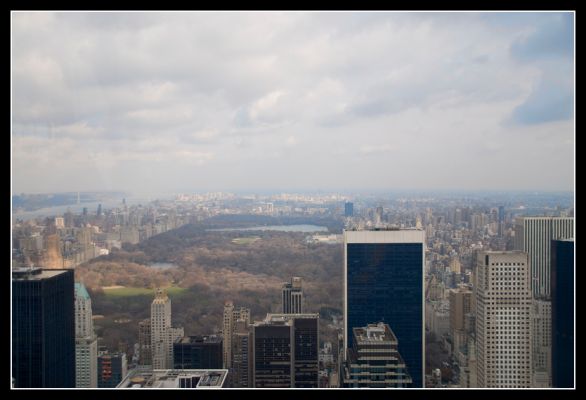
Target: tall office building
<point>383,282</point>
<point>43,328</point>
<point>460,304</point>
<point>144,342</point>
<point>162,333</point>
<point>562,313</point>
<point>374,361</point>
<point>503,320</point>
<point>198,352</point>
<point>112,369</point>
<point>242,355</point>
<point>86,342</point>
<point>533,235</point>
<point>285,348</point>
<point>348,209</point>
<point>231,315</point>
<point>292,294</point>
<point>541,345</point>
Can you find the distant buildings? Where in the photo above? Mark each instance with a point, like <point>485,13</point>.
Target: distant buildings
<point>112,369</point>
<point>198,352</point>
<point>383,281</point>
<point>503,320</point>
<point>285,348</point>
<point>86,342</point>
<point>562,312</point>
<point>292,294</point>
<point>374,360</point>
<point>43,328</point>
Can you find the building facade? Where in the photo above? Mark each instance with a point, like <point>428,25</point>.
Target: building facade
<point>144,342</point>
<point>503,320</point>
<point>242,355</point>
<point>383,281</point>
<point>43,328</point>
<point>112,369</point>
<point>162,333</point>
<point>541,345</point>
<point>285,349</point>
<point>198,352</point>
<point>562,312</point>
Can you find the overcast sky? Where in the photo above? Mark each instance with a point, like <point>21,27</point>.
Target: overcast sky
<point>178,102</point>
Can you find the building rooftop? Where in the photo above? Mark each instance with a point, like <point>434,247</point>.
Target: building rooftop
<point>35,273</point>
<point>380,332</point>
<point>175,379</point>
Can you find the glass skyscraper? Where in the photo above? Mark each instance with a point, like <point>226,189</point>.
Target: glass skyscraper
<point>383,282</point>
<point>562,313</point>
<point>43,328</point>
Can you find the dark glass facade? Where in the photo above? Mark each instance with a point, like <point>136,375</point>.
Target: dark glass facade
<point>272,356</point>
<point>562,313</point>
<point>385,284</point>
<point>349,209</point>
<point>111,370</point>
<point>43,330</point>
<point>306,352</point>
<point>198,352</point>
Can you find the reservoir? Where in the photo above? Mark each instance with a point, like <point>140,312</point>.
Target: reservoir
<point>280,228</point>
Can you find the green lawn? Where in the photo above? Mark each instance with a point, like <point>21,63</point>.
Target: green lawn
<point>134,291</point>
<point>245,240</point>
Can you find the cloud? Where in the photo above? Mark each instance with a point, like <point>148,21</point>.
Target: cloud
<point>245,99</point>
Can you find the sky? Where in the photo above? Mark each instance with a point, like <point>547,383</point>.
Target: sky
<point>287,101</point>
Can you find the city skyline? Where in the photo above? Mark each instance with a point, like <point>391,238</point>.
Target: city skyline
<point>249,101</point>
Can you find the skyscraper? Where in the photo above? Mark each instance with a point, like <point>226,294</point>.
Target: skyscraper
<point>348,209</point>
<point>162,333</point>
<point>533,235</point>
<point>285,348</point>
<point>293,296</point>
<point>541,345</point>
<point>374,361</point>
<point>242,355</point>
<point>562,312</point>
<point>503,320</point>
<point>198,352</point>
<point>144,342</point>
<point>383,282</point>
<point>231,315</point>
<point>86,342</point>
<point>43,328</point>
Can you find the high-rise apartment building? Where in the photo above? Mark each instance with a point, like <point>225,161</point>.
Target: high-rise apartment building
<point>460,301</point>
<point>144,342</point>
<point>242,355</point>
<point>503,320</point>
<point>562,313</point>
<point>86,342</point>
<point>231,315</point>
<point>374,361</point>
<point>533,235</point>
<point>198,352</point>
<point>383,282</point>
<point>162,333</point>
<point>292,294</point>
<point>43,328</point>
<point>285,348</point>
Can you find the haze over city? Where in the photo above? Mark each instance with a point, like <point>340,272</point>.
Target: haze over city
<point>292,101</point>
